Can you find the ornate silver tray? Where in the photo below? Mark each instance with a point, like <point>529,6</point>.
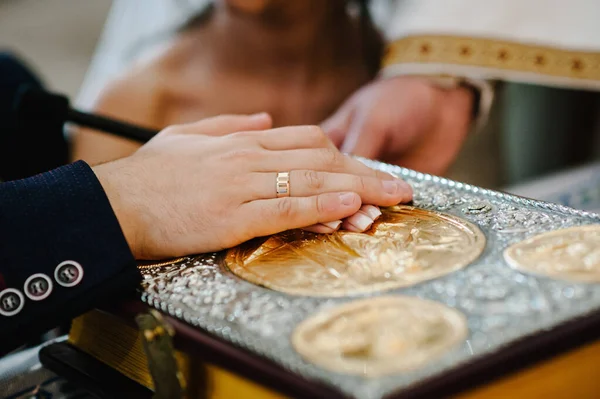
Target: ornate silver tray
<point>501,304</point>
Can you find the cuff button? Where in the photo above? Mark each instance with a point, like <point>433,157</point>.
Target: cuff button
<point>68,273</point>
<point>38,286</point>
<point>11,302</point>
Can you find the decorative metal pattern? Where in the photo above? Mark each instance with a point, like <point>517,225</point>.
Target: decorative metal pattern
<point>500,303</point>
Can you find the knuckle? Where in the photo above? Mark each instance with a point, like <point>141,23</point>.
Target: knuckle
<point>242,155</point>
<point>246,138</point>
<point>285,208</point>
<point>360,184</point>
<point>330,157</point>
<point>316,134</point>
<point>243,135</point>
<point>314,180</point>
<point>226,121</point>
<point>382,175</point>
<point>170,130</point>
<point>319,204</point>
<point>221,118</point>
<point>240,180</point>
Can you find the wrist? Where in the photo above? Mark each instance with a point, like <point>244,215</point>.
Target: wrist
<point>110,175</point>
<point>483,92</point>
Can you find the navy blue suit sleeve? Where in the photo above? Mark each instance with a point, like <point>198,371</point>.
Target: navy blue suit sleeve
<point>62,252</point>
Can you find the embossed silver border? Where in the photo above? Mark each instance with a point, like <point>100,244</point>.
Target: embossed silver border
<point>501,304</point>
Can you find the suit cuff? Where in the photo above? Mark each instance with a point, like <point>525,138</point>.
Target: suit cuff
<point>62,250</point>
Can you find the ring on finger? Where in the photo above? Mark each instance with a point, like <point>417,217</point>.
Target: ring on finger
<point>283,184</point>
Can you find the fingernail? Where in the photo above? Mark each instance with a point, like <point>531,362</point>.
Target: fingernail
<point>333,225</point>
<point>407,189</point>
<point>360,220</point>
<point>372,211</point>
<point>347,198</point>
<point>391,186</point>
<point>319,229</point>
<point>404,185</point>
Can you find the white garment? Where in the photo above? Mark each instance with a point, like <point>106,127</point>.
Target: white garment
<point>548,24</point>
<point>134,29</point>
<point>137,28</point>
<point>572,24</point>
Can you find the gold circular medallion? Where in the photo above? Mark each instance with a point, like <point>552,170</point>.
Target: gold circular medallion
<point>405,246</point>
<point>379,336</point>
<point>569,254</point>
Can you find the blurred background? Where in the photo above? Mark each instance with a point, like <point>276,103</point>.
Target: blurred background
<point>56,37</point>
<point>535,137</point>
<point>533,131</point>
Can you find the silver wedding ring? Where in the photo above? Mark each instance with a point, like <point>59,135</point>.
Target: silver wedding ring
<point>283,184</point>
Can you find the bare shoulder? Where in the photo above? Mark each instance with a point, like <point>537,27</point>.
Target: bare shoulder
<point>133,97</point>
<point>141,94</point>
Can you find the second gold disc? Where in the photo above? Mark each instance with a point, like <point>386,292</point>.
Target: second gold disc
<point>571,254</point>
<point>405,246</point>
<point>378,336</point>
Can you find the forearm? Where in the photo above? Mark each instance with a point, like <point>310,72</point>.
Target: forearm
<point>60,228</point>
<point>96,147</point>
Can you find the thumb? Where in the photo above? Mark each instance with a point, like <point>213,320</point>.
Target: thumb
<point>227,124</point>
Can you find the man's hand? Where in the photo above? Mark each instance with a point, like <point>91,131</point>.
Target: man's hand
<point>405,121</point>
<point>211,185</point>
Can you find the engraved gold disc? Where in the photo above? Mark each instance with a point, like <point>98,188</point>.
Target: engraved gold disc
<point>405,246</point>
<point>568,254</point>
<point>379,336</point>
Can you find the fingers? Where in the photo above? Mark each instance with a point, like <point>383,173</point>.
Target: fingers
<point>280,214</point>
<point>291,137</point>
<point>363,219</point>
<point>336,126</point>
<point>324,228</point>
<point>320,159</point>
<point>306,183</point>
<point>440,147</point>
<point>303,147</point>
<point>365,137</point>
<point>227,124</point>
<point>353,129</point>
<point>360,222</point>
<point>336,130</point>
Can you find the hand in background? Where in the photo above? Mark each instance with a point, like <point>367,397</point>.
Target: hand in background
<point>211,185</point>
<point>405,121</point>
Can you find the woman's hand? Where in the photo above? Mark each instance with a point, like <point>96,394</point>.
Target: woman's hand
<point>211,185</point>
<point>405,121</point>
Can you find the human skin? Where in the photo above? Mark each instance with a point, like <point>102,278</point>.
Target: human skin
<point>209,185</point>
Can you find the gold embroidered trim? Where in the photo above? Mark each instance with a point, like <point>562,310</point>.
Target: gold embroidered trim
<point>146,265</point>
<point>494,54</point>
